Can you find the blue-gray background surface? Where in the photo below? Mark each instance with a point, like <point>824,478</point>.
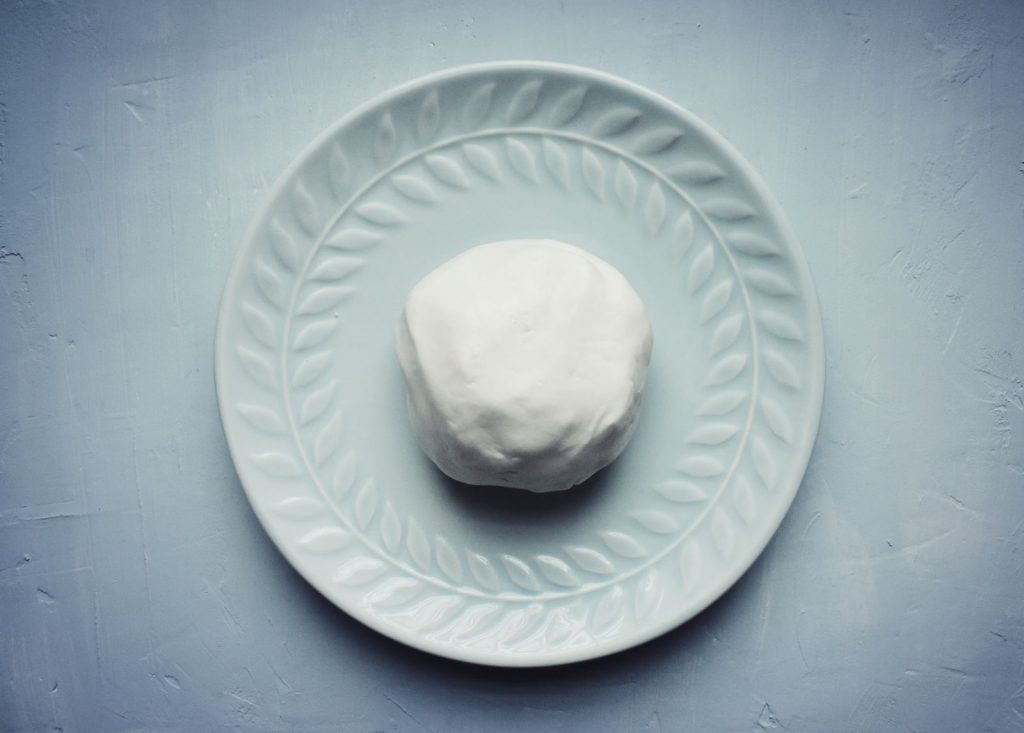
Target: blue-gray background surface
<point>138,592</point>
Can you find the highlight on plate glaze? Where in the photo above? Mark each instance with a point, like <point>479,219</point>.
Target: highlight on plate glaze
<point>423,148</point>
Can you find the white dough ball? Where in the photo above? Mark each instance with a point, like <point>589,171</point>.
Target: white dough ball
<point>524,361</point>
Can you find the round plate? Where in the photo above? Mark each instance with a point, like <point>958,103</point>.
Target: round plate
<point>313,400</point>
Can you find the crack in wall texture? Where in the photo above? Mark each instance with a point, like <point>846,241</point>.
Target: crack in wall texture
<point>137,591</point>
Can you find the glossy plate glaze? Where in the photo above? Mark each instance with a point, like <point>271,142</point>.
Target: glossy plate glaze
<point>313,401</point>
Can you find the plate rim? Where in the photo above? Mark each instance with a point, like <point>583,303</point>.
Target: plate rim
<point>801,454</point>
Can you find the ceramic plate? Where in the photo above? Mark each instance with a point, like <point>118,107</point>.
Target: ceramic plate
<point>313,402</point>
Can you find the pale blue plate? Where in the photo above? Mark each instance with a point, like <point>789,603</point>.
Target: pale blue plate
<point>312,398</point>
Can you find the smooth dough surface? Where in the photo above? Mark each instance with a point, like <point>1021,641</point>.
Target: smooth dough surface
<point>525,361</point>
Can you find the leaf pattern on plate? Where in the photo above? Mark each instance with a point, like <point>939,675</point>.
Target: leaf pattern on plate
<point>415,189</point>
<point>258,323</point>
<point>284,245</point>
<point>325,540</point>
<point>524,101</point>
<point>593,174</point>
<point>520,573</point>
<point>556,571</point>
<point>521,158</point>
<point>556,161</point>
<point>681,492</point>
<point>591,560</point>
<point>568,106</point>
<point>696,173</point>
<point>616,121</point>
<point>429,117</point>
<point>391,528</point>
<point>657,141</point>
<point>385,141</point>
<point>622,544</point>
<point>482,160</point>
<point>447,170</point>
<point>306,210</point>
<point>313,334</point>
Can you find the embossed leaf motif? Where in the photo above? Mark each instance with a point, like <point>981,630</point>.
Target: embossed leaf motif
<point>344,476</point>
<point>310,368</point>
<point>691,563</point>
<point>625,185</point>
<point>621,543</point>
<point>726,333</point>
<point>353,239</point>
<point>615,121</point>
<point>657,141</point>
<point>650,593</point>
<point>261,418</point>
<point>447,170</point>
<point>524,101</point>
<point>727,369</point>
<point>483,572</point>
<point>338,171</point>
<point>478,105</point>
<point>722,402</point>
<point>723,533</point>
<point>753,244</point>
<point>712,433</point>
<point>384,140</point>
<point>299,507</point>
<point>728,209</point>
<point>521,158</point>
<point>568,106</point>
<point>696,173</point>
<point>781,368</point>
<point>414,188</point>
<point>283,244</point>
<point>768,282</point>
<point>257,366</point>
<point>323,298</point>
<point>682,236</point>
<point>391,528</point>
<point>270,285</point>
<point>277,464</point>
<point>743,500</point>
<point>593,173</point>
<point>715,300</point>
<point>380,213</point>
<point>366,504</point>
<point>655,521</point>
<point>317,403</point>
<point>681,492</point>
<point>416,543</point>
<point>448,560</point>
<point>520,573</point>
<point>701,269</point>
<point>608,612</point>
<point>313,334</point>
<point>258,324</point>
<point>482,160</point>
<point>777,420</point>
<point>327,440</point>
<point>306,210</point>
<point>437,612</point>
<point>358,571</point>
<point>781,326</point>
<point>701,466</point>
<point>557,571</point>
<point>332,269</point>
<point>523,624</point>
<point>429,117</point>
<point>392,592</point>
<point>557,162</point>
<point>591,560</point>
<point>654,209</point>
<point>478,619</point>
<point>764,463</point>
<point>325,540</point>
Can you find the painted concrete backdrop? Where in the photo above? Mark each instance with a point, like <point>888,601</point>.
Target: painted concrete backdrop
<point>138,592</point>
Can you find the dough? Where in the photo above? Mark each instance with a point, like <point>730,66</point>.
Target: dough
<point>524,361</point>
